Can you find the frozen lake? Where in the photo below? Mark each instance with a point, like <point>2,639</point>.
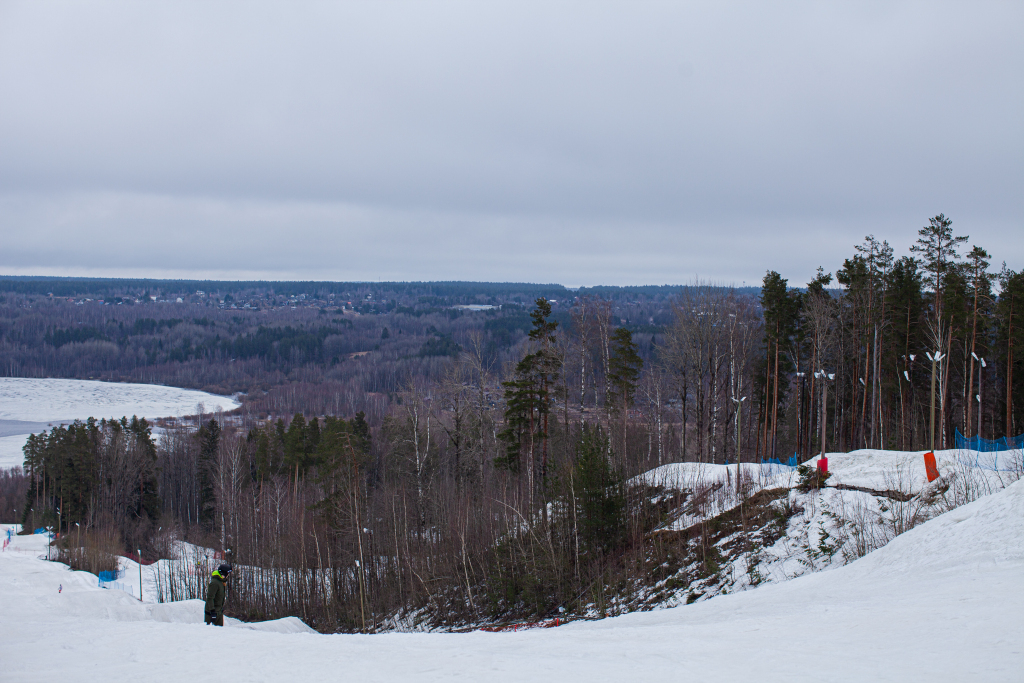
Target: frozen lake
<point>29,406</point>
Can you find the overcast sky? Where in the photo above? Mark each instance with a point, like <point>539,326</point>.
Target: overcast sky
<point>578,143</point>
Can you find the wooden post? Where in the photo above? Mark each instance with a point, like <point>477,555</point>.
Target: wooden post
<point>931,419</point>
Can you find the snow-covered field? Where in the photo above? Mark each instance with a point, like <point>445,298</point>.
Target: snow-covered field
<point>30,406</point>
<point>941,602</point>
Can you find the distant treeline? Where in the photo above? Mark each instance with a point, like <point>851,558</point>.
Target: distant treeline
<point>446,293</point>
<point>457,292</point>
<point>287,354</point>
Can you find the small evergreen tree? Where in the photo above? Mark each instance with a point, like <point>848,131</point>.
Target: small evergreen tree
<point>209,443</point>
<point>600,494</point>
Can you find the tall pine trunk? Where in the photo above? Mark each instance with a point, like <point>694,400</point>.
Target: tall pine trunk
<point>775,393</point>
<point>1009,372</point>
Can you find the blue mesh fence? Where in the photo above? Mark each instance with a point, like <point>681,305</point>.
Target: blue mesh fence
<point>999,455</point>
<point>997,461</point>
<point>109,580</point>
<point>976,443</point>
<point>791,462</point>
<point>107,577</point>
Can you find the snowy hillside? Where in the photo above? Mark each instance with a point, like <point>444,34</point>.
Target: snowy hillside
<point>31,405</point>
<point>941,602</point>
<point>870,498</point>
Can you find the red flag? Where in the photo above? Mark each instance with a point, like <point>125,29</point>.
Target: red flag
<point>930,467</point>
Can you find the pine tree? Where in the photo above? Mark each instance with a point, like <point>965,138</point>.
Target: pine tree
<point>1010,315</point>
<point>981,294</point>
<point>600,497</point>
<point>817,322</point>
<point>937,247</point>
<point>905,303</point>
<point>623,372</point>
<point>528,397</point>
<point>781,310</point>
<point>142,437</point>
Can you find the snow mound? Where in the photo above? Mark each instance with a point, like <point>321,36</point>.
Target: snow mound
<point>987,534</point>
<point>285,625</point>
<point>690,475</point>
<point>191,612</point>
<point>905,470</point>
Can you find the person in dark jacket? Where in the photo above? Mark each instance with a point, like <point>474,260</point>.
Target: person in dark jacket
<point>215,595</point>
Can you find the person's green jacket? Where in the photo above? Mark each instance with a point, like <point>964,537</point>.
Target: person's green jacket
<point>215,600</point>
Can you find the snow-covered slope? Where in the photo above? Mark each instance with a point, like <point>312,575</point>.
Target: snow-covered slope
<point>31,405</point>
<point>871,497</point>
<point>942,602</point>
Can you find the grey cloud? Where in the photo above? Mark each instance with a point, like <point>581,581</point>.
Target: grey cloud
<point>583,143</point>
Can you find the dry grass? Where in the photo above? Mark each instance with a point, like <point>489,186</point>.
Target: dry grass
<point>94,551</point>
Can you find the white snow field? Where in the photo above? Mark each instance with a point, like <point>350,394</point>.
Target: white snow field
<point>29,406</point>
<point>941,602</point>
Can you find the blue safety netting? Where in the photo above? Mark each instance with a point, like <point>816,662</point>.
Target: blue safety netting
<point>106,577</point>
<point>791,462</point>
<point>976,443</point>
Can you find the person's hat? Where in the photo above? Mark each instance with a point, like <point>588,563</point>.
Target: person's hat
<point>224,569</point>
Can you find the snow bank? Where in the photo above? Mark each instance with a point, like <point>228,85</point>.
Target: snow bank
<point>871,498</point>
<point>867,468</point>
<point>81,597</point>
<point>942,602</point>
<point>905,471</point>
<point>980,537</point>
<point>690,475</point>
<point>718,485</point>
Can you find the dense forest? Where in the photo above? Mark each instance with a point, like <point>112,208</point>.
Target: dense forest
<point>401,458</point>
<point>321,348</point>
